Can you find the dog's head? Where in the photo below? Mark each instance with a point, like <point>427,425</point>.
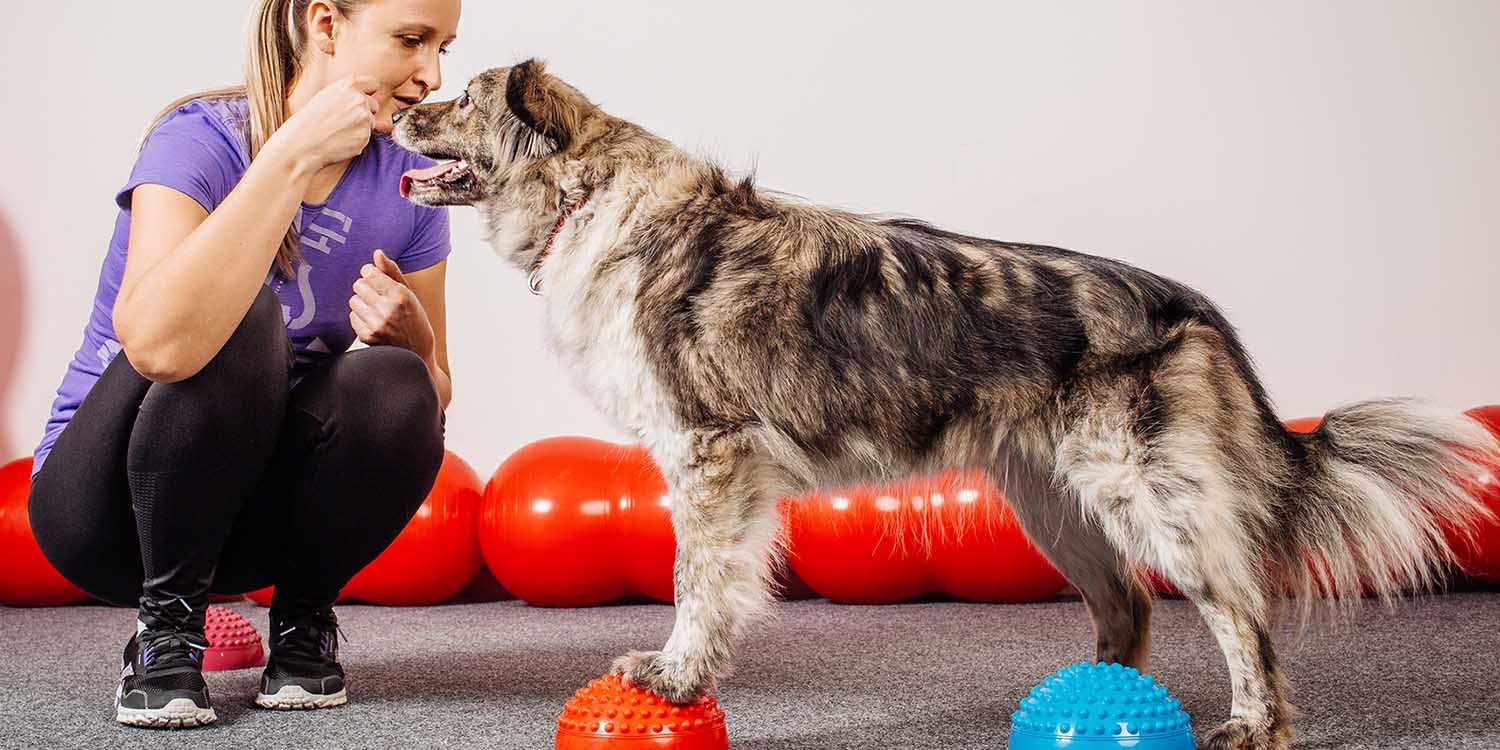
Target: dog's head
<point>505,126</point>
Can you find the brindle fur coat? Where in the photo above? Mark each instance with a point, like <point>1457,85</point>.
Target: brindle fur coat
<point>761,346</point>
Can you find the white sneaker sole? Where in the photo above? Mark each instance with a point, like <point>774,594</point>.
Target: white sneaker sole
<point>294,698</point>
<point>179,713</point>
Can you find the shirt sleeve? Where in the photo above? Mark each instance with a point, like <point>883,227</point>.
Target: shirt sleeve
<point>430,243</point>
<point>190,152</point>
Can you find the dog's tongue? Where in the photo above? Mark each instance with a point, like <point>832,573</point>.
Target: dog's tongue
<point>426,173</point>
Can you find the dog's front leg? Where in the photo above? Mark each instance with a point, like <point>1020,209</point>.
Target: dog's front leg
<point>724,516</point>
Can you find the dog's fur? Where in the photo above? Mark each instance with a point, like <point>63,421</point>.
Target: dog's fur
<point>762,347</point>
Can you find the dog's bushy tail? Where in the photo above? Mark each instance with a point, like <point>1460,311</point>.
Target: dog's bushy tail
<point>1380,484</point>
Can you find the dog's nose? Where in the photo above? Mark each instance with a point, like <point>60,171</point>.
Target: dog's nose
<point>396,116</point>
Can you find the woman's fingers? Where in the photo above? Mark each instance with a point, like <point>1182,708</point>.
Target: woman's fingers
<point>376,281</point>
<point>381,300</point>
<point>361,329</point>
<point>367,311</point>
<point>388,267</point>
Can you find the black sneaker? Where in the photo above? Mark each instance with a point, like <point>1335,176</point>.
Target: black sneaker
<point>161,684</point>
<point>303,670</point>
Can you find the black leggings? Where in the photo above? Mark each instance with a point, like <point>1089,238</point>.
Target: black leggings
<point>232,480</point>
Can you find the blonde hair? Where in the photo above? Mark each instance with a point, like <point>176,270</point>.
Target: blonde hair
<point>273,61</point>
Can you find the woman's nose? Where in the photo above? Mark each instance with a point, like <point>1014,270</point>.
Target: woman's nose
<point>431,74</point>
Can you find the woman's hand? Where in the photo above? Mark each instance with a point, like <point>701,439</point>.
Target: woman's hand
<point>334,126</point>
<point>384,310</point>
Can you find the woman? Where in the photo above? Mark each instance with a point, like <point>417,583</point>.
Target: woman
<point>237,444</point>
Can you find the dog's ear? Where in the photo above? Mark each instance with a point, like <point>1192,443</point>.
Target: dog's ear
<point>543,103</point>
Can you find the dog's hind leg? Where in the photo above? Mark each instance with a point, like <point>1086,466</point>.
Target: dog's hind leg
<point>1118,603</point>
<point>725,520</point>
<point>1173,505</point>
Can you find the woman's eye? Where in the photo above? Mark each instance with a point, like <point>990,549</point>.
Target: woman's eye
<point>442,50</point>
<point>411,42</point>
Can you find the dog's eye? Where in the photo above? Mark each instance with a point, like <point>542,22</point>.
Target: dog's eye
<point>463,101</point>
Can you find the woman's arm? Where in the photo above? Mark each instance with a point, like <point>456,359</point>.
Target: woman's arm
<point>430,285</point>
<point>190,275</point>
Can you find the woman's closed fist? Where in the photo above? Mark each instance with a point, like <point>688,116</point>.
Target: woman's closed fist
<point>335,125</point>
<point>385,311</point>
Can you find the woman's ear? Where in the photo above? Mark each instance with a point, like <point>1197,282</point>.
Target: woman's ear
<point>322,24</point>
<point>543,103</point>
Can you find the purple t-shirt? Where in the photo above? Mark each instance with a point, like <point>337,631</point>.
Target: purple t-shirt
<point>200,150</point>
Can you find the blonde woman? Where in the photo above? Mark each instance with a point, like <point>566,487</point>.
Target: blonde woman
<point>238,443</point>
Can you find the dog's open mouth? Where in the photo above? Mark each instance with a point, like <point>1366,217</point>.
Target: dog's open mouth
<point>450,177</point>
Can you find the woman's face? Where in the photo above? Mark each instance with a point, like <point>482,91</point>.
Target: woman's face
<point>399,42</point>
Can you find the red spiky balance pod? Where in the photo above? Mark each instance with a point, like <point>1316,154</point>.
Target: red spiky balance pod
<point>611,714</point>
<point>232,642</point>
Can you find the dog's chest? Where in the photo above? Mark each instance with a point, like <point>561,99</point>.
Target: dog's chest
<point>590,324</point>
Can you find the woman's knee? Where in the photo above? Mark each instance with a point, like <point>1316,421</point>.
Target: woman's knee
<point>388,398</point>
<point>247,379</point>
<point>260,341</point>
<point>403,401</point>
<point>257,354</point>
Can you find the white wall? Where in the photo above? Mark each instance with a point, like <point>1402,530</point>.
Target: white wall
<point>1329,172</point>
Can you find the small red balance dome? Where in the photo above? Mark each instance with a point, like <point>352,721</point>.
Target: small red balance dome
<point>610,714</point>
<point>233,642</point>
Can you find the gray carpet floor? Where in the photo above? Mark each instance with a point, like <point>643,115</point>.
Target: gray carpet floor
<point>820,675</point>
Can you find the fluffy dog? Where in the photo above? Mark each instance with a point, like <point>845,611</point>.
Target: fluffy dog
<point>760,346</point>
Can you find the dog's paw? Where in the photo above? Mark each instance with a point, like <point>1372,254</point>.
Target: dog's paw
<point>660,674</point>
<point>1238,734</point>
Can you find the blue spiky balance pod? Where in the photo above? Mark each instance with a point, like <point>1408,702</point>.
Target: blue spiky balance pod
<point>1098,706</point>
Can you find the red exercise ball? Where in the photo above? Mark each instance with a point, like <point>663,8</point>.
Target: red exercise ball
<point>1160,584</point>
<point>1479,556</point>
<point>575,522</point>
<point>841,545</point>
<point>437,554</point>
<point>951,533</point>
<point>26,578</point>
<point>262,596</point>
<point>1303,424</point>
<point>434,557</point>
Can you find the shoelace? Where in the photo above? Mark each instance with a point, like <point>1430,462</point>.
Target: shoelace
<point>169,641</point>
<point>164,649</point>
<point>304,637</point>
